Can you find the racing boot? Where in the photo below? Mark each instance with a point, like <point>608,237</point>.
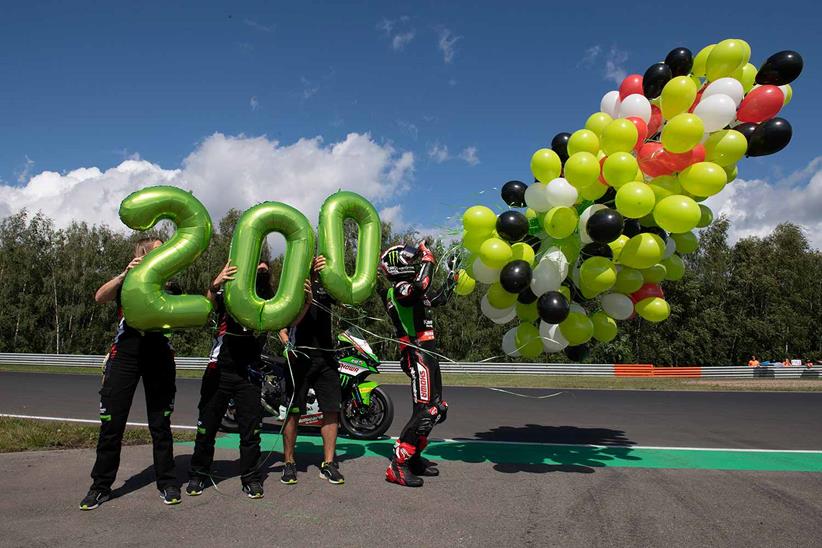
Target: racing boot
<point>419,465</point>
<point>398,471</point>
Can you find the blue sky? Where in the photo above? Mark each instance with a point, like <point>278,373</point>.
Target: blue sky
<point>92,83</point>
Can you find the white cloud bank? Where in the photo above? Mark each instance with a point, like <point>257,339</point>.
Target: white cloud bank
<point>224,172</point>
<point>756,206</point>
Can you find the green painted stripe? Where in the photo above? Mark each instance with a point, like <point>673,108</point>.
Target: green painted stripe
<point>563,456</point>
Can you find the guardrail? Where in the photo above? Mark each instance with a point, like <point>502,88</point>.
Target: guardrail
<point>588,369</point>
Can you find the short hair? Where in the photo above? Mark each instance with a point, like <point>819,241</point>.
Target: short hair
<point>142,247</point>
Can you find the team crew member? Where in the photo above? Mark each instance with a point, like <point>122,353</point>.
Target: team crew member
<point>409,302</point>
<point>234,353</point>
<point>132,356</point>
<point>313,366</point>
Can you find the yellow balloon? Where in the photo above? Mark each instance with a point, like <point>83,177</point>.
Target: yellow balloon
<point>498,297</point>
<point>619,136</point>
<point>617,245</point>
<point>473,240</point>
<point>746,75</point>
<point>546,165</point>
<point>597,121</point>
<point>677,213</point>
<point>628,280</point>
<point>685,243</point>
<point>560,222</point>
<point>703,179</point>
<point>531,214</point>
<point>605,327</point>
<point>787,91</point>
<point>582,169</point>
<point>521,251</point>
<point>706,216</point>
<point>479,220</point>
<point>619,168</point>
<point>635,199</point>
<point>731,171</point>
<point>653,309</point>
<point>674,267</point>
<point>642,251</point>
<point>465,284</point>
<point>597,274</point>
<point>566,292</point>
<point>495,253</point>
<point>583,140</point>
<point>682,133</point>
<point>577,328</point>
<point>677,96</point>
<point>725,147</point>
<point>726,57</point>
<point>654,274</point>
<point>700,61</point>
<point>594,191</point>
<point>664,186</point>
<point>528,312</point>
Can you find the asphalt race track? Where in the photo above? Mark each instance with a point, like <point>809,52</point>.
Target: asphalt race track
<point>522,467</point>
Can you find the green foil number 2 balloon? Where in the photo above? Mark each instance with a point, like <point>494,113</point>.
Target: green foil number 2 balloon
<point>240,294</point>
<point>146,305</point>
<point>338,207</point>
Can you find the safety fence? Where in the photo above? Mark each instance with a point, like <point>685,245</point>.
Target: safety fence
<point>578,369</point>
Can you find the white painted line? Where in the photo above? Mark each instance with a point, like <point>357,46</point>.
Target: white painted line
<point>88,421</point>
<point>524,395</point>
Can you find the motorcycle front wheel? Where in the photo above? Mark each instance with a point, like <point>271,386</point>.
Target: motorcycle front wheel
<point>373,422</point>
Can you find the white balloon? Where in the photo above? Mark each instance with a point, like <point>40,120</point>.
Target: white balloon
<point>610,104</point>
<point>509,344</point>
<point>635,105</point>
<point>484,273</point>
<point>576,307</point>
<point>583,222</point>
<point>725,86</point>
<point>716,112</point>
<point>670,248</point>
<point>561,193</point>
<point>536,196</point>
<point>511,313</point>
<point>617,305</point>
<point>490,311</point>
<point>547,276</point>
<point>552,338</point>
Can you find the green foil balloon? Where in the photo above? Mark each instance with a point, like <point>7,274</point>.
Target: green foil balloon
<point>146,305</point>
<point>240,293</point>
<point>356,288</point>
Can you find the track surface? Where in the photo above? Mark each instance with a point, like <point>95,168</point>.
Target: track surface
<point>745,420</point>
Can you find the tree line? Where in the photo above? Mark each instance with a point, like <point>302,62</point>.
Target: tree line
<point>758,296</point>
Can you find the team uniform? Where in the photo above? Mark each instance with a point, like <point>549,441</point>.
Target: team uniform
<point>234,354</point>
<point>132,356</point>
<point>410,303</point>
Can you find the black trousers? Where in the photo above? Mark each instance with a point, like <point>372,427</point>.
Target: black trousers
<point>426,391</point>
<point>222,382</point>
<point>155,364</point>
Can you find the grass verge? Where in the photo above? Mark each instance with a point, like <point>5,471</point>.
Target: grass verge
<point>35,435</point>
<point>531,381</point>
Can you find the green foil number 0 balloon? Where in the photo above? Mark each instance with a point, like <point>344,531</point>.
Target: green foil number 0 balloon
<point>356,288</point>
<point>240,294</point>
<point>146,305</point>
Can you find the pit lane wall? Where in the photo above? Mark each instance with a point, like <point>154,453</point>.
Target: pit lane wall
<point>577,369</point>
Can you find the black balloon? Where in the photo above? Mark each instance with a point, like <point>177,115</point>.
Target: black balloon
<point>608,198</point>
<point>656,230</point>
<point>596,249</point>
<point>526,296</point>
<point>655,79</point>
<point>780,68</point>
<point>605,225</point>
<point>559,144</point>
<point>553,307</point>
<point>513,193</point>
<point>681,60</point>
<point>515,276</point>
<point>578,353</point>
<point>631,228</point>
<point>533,241</point>
<point>512,226</point>
<point>769,137</point>
<point>746,129</point>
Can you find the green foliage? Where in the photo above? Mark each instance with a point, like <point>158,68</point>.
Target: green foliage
<point>755,297</point>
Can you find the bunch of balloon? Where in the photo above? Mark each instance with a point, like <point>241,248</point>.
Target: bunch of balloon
<point>614,205</point>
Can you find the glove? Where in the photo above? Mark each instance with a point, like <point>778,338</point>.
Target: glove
<point>425,254</point>
<point>442,407</point>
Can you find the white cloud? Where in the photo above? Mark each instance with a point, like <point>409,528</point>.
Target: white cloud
<point>308,88</point>
<point>25,173</point>
<point>393,215</point>
<point>409,127</point>
<point>403,35</point>
<point>754,207</point>
<point>258,26</point>
<point>402,39</point>
<point>447,44</point>
<point>438,153</point>
<point>614,62</point>
<point>591,55</point>
<point>469,155</point>
<point>224,172</point>
<point>254,103</point>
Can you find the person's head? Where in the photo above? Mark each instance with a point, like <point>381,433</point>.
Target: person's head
<point>399,262</point>
<point>144,245</point>
<point>264,289</point>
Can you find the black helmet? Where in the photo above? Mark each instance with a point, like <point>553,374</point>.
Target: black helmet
<point>398,263</point>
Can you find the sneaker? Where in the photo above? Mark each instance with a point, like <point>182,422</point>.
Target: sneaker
<point>289,474</point>
<point>171,495</point>
<point>253,489</point>
<point>420,466</point>
<point>196,486</point>
<point>94,498</point>
<point>401,475</point>
<point>331,472</point>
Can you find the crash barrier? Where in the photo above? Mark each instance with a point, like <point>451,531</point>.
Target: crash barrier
<point>575,369</point>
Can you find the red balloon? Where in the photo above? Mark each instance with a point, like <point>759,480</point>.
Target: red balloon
<point>656,120</point>
<point>762,103</point>
<point>641,129</point>
<point>648,157</point>
<point>601,164</point>
<point>679,161</point>
<point>647,290</point>
<point>696,101</point>
<point>630,85</point>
